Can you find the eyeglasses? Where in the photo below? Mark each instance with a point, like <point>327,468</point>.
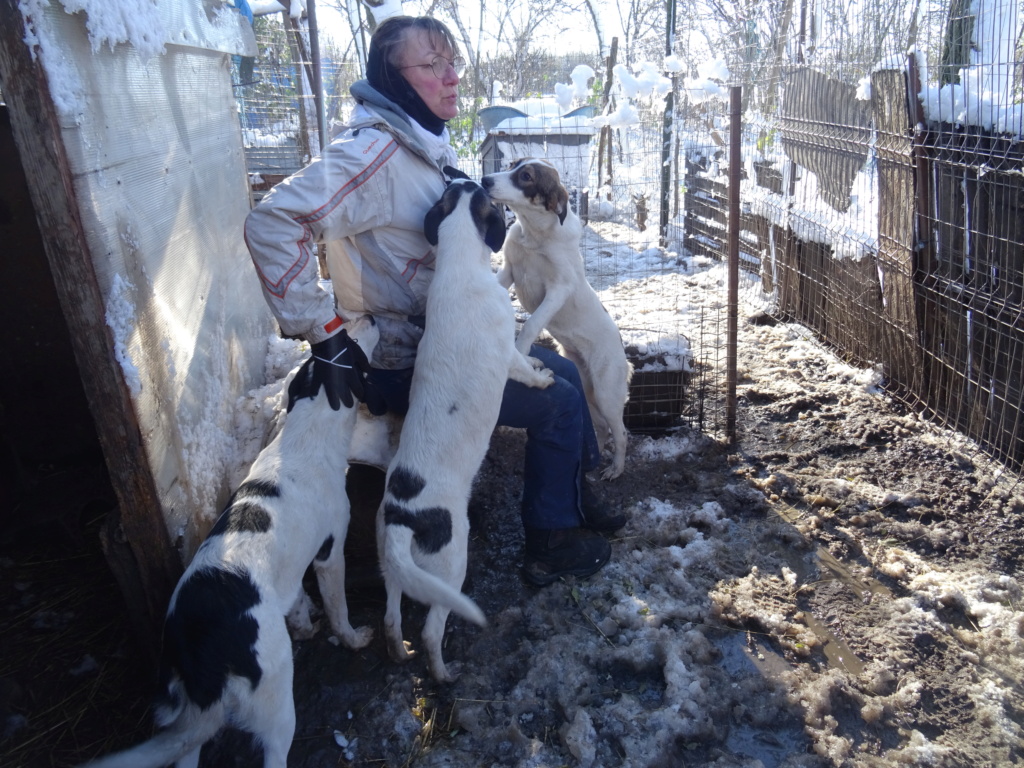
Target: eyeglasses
<point>439,66</point>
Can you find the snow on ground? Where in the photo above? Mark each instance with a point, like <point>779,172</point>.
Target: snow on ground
<point>840,587</point>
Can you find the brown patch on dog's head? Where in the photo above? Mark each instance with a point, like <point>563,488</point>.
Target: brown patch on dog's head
<point>539,182</point>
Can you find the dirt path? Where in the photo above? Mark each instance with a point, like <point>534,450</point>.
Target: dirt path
<point>840,588</point>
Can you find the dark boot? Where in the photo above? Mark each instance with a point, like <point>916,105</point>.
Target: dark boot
<point>553,554</point>
<point>596,514</point>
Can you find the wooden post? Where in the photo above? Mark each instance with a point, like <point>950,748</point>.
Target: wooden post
<point>37,133</point>
<point>922,173</point>
<point>605,142</point>
<point>666,132</point>
<point>294,34</point>
<point>318,81</point>
<point>898,334</point>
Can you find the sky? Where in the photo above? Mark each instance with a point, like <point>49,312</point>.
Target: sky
<point>578,37</point>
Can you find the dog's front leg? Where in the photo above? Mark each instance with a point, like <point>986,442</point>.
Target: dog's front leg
<point>538,320</point>
<point>529,371</point>
<point>505,278</point>
<point>330,575</point>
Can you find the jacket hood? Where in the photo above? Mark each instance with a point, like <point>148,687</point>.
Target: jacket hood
<point>379,107</point>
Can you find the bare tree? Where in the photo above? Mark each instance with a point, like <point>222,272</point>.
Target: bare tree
<point>602,45</point>
<point>956,45</point>
<point>643,28</point>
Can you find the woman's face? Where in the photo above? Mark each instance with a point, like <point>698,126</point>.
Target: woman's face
<point>441,95</point>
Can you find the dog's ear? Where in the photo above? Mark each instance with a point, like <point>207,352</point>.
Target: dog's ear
<point>558,202</point>
<point>552,191</point>
<point>433,220</point>
<point>454,173</point>
<point>494,230</point>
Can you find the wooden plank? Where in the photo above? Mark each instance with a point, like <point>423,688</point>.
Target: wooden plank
<point>787,273</point>
<point>705,220</point>
<point>854,308</point>
<point>899,351</point>
<point>815,267</point>
<point>38,135</point>
<point>755,256</point>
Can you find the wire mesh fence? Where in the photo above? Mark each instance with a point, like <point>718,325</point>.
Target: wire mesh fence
<point>277,110</point>
<point>882,201</point>
<point>880,194</point>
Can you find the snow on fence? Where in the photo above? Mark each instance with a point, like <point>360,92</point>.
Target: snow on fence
<point>902,249</point>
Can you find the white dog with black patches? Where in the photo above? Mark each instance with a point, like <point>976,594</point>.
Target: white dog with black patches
<point>227,655</point>
<point>542,260</point>
<point>463,361</point>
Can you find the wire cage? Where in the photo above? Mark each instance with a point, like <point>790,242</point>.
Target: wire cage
<point>277,111</point>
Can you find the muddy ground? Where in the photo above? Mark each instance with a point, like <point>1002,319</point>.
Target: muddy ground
<point>841,587</point>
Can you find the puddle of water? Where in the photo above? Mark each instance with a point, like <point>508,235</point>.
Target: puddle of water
<point>841,572</point>
<point>828,564</point>
<point>830,568</point>
<point>771,747</point>
<point>837,652</point>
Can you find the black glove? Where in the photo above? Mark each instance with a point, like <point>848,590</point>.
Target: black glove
<point>337,364</point>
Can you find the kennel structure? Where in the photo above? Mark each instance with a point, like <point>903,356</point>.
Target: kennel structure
<point>512,134</point>
<point>134,164</point>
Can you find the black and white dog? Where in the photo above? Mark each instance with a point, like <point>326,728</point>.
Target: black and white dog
<point>542,259</point>
<point>466,355</point>
<point>227,655</point>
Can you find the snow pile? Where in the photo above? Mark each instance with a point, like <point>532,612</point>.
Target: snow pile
<point>120,318</point>
<point>985,94</point>
<point>544,117</point>
<point>147,26</point>
<point>259,414</point>
<point>579,89</point>
<point>623,656</point>
<point>646,82</point>
<point>709,82</point>
<point>279,135</point>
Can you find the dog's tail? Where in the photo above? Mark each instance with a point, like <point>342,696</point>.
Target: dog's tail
<point>420,584</point>
<point>187,733</point>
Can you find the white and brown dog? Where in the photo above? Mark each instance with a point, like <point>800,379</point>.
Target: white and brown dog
<point>227,655</point>
<point>464,359</point>
<point>542,259</point>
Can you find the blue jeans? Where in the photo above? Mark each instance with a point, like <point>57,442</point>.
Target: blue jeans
<point>560,440</point>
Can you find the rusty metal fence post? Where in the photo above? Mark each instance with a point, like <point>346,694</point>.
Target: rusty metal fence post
<point>733,264</point>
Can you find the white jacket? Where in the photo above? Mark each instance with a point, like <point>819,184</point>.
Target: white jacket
<point>365,196</point>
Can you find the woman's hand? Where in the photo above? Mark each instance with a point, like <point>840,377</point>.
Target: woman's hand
<point>339,366</point>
